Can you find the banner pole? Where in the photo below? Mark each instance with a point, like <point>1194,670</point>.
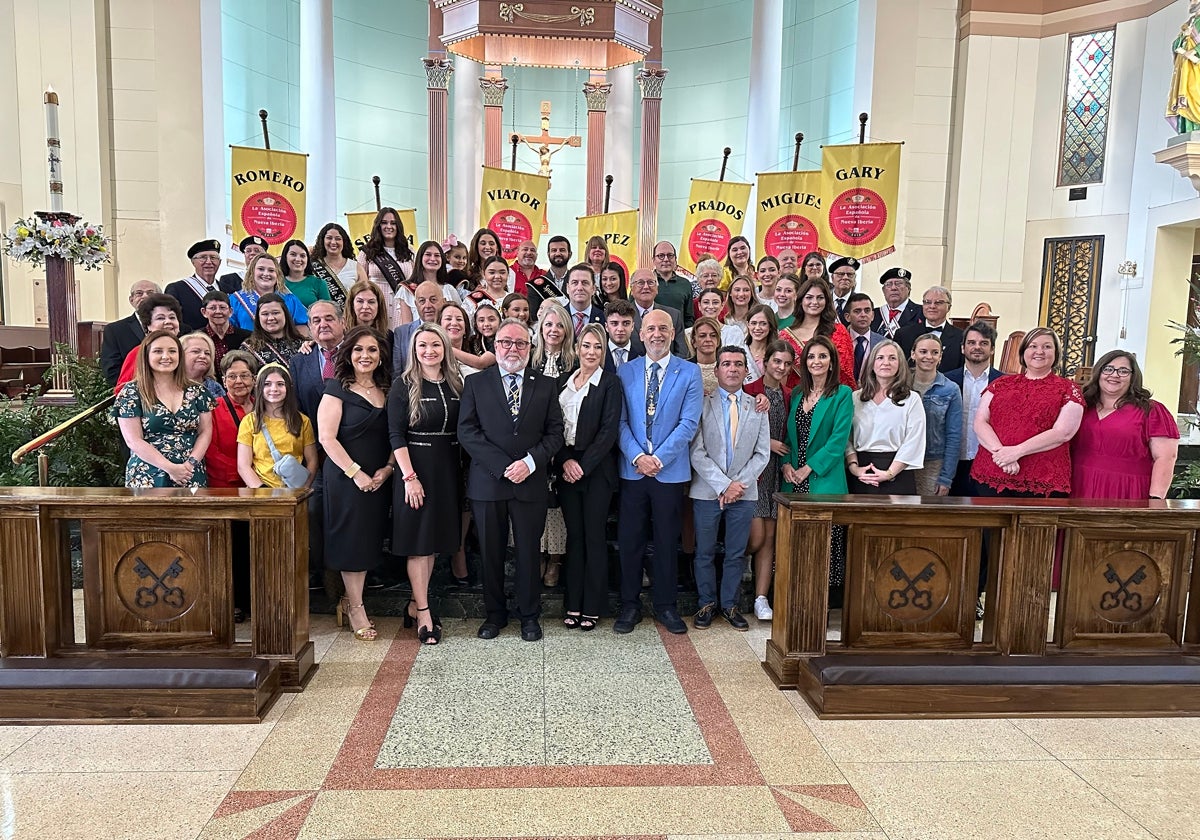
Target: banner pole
<point>725,162</point>
<point>375,181</point>
<point>796,154</point>
<point>262,115</point>
<point>608,182</point>
<point>515,139</point>
<point>862,127</point>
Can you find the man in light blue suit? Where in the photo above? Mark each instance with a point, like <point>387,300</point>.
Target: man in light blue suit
<point>663,396</point>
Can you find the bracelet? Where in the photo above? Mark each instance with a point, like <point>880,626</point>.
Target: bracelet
<point>412,476</point>
<point>191,459</point>
<point>351,470</point>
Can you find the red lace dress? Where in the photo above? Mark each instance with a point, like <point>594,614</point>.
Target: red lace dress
<point>845,352</point>
<point>1022,408</point>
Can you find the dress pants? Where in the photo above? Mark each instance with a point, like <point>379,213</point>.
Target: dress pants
<point>492,521</point>
<point>316,523</point>
<point>650,507</point>
<point>585,509</point>
<point>708,514</point>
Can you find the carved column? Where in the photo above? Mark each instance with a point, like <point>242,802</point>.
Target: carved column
<point>651,80</point>
<point>493,87</point>
<point>437,77</point>
<point>596,93</point>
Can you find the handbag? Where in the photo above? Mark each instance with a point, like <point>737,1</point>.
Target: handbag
<point>287,467</point>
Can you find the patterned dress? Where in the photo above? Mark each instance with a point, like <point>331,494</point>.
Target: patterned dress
<point>173,434</point>
<point>768,480</point>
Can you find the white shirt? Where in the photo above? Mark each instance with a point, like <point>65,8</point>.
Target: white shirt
<point>571,399</point>
<point>972,391</point>
<point>888,427</point>
<point>613,348</point>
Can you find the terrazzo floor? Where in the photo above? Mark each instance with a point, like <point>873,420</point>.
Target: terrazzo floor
<point>591,735</point>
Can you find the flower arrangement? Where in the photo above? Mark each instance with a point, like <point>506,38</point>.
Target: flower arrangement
<point>34,239</point>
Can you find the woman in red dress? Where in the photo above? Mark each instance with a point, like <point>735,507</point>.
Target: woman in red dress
<point>815,315</point>
<point>1127,443</point>
<point>1025,424</point>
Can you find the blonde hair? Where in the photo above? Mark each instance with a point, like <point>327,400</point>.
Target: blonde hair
<point>248,280</point>
<point>552,308</point>
<point>413,377</point>
<point>203,338</point>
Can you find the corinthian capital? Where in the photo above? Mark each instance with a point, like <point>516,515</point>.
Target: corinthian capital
<point>437,73</point>
<point>651,80</point>
<point>493,89</point>
<point>596,94</point>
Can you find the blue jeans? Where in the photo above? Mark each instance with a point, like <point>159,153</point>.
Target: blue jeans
<point>737,532</point>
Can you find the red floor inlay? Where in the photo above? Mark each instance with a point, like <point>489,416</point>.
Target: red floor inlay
<point>841,794</point>
<point>287,825</point>
<point>798,817</point>
<point>243,800</point>
<point>354,767</point>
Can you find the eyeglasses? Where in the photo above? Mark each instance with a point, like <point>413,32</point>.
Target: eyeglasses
<point>935,303</point>
<point>895,284</point>
<point>844,274</point>
<point>644,284</point>
<point>239,377</point>
<point>1120,372</point>
<point>512,343</point>
<point>664,256</point>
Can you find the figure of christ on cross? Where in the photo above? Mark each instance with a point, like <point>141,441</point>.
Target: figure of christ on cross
<point>548,146</point>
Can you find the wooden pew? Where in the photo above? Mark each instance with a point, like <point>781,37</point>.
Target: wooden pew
<point>1126,632</point>
<point>159,635</point>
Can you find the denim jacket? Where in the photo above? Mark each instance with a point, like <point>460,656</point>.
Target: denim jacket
<point>943,426</point>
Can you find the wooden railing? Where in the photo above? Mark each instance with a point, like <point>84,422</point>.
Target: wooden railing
<point>53,434</point>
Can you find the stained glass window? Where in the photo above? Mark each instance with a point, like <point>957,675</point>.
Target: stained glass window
<point>1085,115</point>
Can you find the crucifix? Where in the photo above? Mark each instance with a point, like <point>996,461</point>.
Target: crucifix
<point>545,142</point>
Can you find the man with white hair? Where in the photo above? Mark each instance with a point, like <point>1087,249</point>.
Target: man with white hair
<point>935,305</point>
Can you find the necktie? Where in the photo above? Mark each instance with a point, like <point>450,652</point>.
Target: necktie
<point>839,303</point>
<point>579,316</point>
<point>860,354</point>
<point>621,353</point>
<point>327,365</point>
<point>733,429</point>
<point>514,397</point>
<point>651,401</point>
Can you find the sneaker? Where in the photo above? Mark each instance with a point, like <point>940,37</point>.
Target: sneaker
<point>762,610</point>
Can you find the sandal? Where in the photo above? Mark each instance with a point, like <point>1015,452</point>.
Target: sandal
<point>429,635</point>
<point>571,620</point>
<point>588,622</point>
<point>343,612</point>
<point>363,634</point>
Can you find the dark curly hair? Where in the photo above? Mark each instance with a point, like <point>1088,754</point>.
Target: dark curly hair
<point>343,367</point>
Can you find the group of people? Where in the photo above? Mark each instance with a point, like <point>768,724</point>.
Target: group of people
<point>421,394</point>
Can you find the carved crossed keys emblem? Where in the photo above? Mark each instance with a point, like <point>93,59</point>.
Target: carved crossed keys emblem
<point>1122,596</point>
<point>148,596</point>
<point>910,592</point>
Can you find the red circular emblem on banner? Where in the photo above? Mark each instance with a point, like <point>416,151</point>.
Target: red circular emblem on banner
<point>857,216</point>
<point>513,228</point>
<point>795,232</point>
<point>709,236</point>
<point>269,215</point>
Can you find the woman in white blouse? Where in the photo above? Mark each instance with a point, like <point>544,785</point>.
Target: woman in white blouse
<point>587,476</point>
<point>887,442</point>
<point>554,356</point>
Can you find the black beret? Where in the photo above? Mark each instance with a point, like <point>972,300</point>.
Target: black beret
<point>253,240</point>
<point>896,274</point>
<point>204,245</point>
<point>844,262</point>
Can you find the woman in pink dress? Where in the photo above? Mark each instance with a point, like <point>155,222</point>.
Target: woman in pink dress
<point>1127,443</point>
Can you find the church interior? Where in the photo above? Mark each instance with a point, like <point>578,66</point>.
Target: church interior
<point>1045,179</point>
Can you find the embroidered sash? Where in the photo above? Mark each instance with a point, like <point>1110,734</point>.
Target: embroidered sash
<point>337,292</point>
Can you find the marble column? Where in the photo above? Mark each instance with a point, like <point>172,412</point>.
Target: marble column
<point>596,93</point>
<point>493,86</point>
<point>762,112</point>
<point>651,80</point>
<point>465,143</point>
<point>318,136</point>
<point>437,77</point>
<point>618,136</point>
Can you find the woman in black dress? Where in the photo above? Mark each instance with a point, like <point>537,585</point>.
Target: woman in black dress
<point>426,505</point>
<point>352,417</point>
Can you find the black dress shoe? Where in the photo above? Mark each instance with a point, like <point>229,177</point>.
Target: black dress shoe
<point>671,620</point>
<point>735,619</point>
<point>531,630</point>
<point>703,618</point>
<point>489,630</point>
<point>629,618</point>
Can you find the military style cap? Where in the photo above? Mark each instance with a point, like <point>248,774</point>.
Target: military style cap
<point>253,240</point>
<point>202,246</point>
<point>844,262</point>
<point>896,274</point>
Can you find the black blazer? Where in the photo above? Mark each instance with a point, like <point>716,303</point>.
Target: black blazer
<point>230,283</point>
<point>597,431</point>
<point>956,376</point>
<point>119,338</point>
<point>912,314</point>
<point>679,346</point>
<point>189,303</point>
<point>488,434</point>
<point>595,315</point>
<point>952,342</point>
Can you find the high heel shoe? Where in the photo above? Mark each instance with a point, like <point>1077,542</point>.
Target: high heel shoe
<point>588,622</point>
<point>343,610</point>
<point>571,620</point>
<point>409,618</point>
<point>429,635</point>
<point>363,634</point>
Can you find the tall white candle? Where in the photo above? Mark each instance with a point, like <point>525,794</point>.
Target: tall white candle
<point>53,150</point>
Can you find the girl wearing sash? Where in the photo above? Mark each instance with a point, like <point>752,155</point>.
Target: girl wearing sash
<point>428,265</point>
<point>815,316</point>
<point>761,331</point>
<point>387,260</point>
<point>333,262</point>
<point>262,278</point>
<point>274,338</point>
<point>494,286</point>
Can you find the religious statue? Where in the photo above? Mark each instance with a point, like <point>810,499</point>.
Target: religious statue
<point>545,141</point>
<point>1183,104</point>
<point>544,153</point>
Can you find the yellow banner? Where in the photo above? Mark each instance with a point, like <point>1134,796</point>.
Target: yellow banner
<point>268,194</point>
<point>788,212</point>
<point>620,232</point>
<point>513,204</point>
<point>860,189</point>
<point>715,212</point>
<point>359,225</point>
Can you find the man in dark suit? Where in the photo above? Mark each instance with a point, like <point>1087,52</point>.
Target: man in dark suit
<point>843,274</point>
<point>643,287</point>
<point>122,336</point>
<point>309,372</point>
<point>935,306</point>
<point>663,397</point>
<point>897,310</point>
<point>581,288</point>
<point>206,262</point>
<point>511,425</point>
<point>429,299</point>
<point>618,321</point>
<point>859,311</point>
<point>250,247</point>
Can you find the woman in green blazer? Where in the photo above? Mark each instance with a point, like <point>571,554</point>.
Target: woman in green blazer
<point>818,428</point>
